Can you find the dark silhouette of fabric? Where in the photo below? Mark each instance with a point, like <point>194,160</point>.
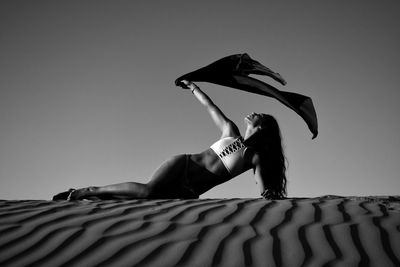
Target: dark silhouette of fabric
<point>233,71</point>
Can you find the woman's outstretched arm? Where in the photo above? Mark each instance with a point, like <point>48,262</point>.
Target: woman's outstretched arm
<point>259,172</point>
<point>263,180</point>
<point>227,127</point>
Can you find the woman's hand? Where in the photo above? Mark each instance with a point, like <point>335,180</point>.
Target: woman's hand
<point>185,84</point>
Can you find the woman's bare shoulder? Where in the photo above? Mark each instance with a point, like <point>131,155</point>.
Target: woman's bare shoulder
<point>230,130</point>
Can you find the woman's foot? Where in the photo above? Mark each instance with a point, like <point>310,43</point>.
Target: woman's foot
<point>82,193</point>
<point>63,195</point>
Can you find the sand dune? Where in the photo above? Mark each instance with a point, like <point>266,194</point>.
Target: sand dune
<point>324,231</point>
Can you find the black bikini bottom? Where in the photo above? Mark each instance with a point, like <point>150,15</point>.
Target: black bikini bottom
<point>197,179</point>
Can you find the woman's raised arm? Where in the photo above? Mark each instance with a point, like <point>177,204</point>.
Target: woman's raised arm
<point>227,127</point>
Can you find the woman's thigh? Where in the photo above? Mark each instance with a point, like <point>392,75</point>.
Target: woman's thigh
<point>167,179</point>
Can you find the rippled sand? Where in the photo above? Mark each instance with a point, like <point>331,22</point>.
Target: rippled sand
<point>323,231</point>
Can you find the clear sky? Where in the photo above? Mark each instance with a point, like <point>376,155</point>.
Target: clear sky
<point>87,94</point>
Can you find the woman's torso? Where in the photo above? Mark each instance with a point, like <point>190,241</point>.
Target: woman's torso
<point>210,161</point>
<point>215,166</point>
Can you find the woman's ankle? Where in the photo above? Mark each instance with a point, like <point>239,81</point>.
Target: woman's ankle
<point>92,191</point>
<point>83,193</point>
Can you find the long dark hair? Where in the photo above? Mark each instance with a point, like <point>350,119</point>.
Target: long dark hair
<point>268,145</point>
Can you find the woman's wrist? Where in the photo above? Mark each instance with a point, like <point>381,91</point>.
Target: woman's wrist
<point>193,88</point>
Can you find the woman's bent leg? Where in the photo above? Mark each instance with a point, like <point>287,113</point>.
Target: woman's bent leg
<point>165,183</point>
<point>128,190</point>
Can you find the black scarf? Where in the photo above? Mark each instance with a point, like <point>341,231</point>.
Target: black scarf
<point>233,71</point>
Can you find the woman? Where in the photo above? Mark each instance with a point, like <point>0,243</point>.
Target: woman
<point>188,176</point>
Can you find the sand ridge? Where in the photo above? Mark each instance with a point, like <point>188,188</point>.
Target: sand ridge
<point>321,231</point>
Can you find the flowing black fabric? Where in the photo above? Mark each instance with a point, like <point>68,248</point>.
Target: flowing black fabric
<point>233,71</point>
